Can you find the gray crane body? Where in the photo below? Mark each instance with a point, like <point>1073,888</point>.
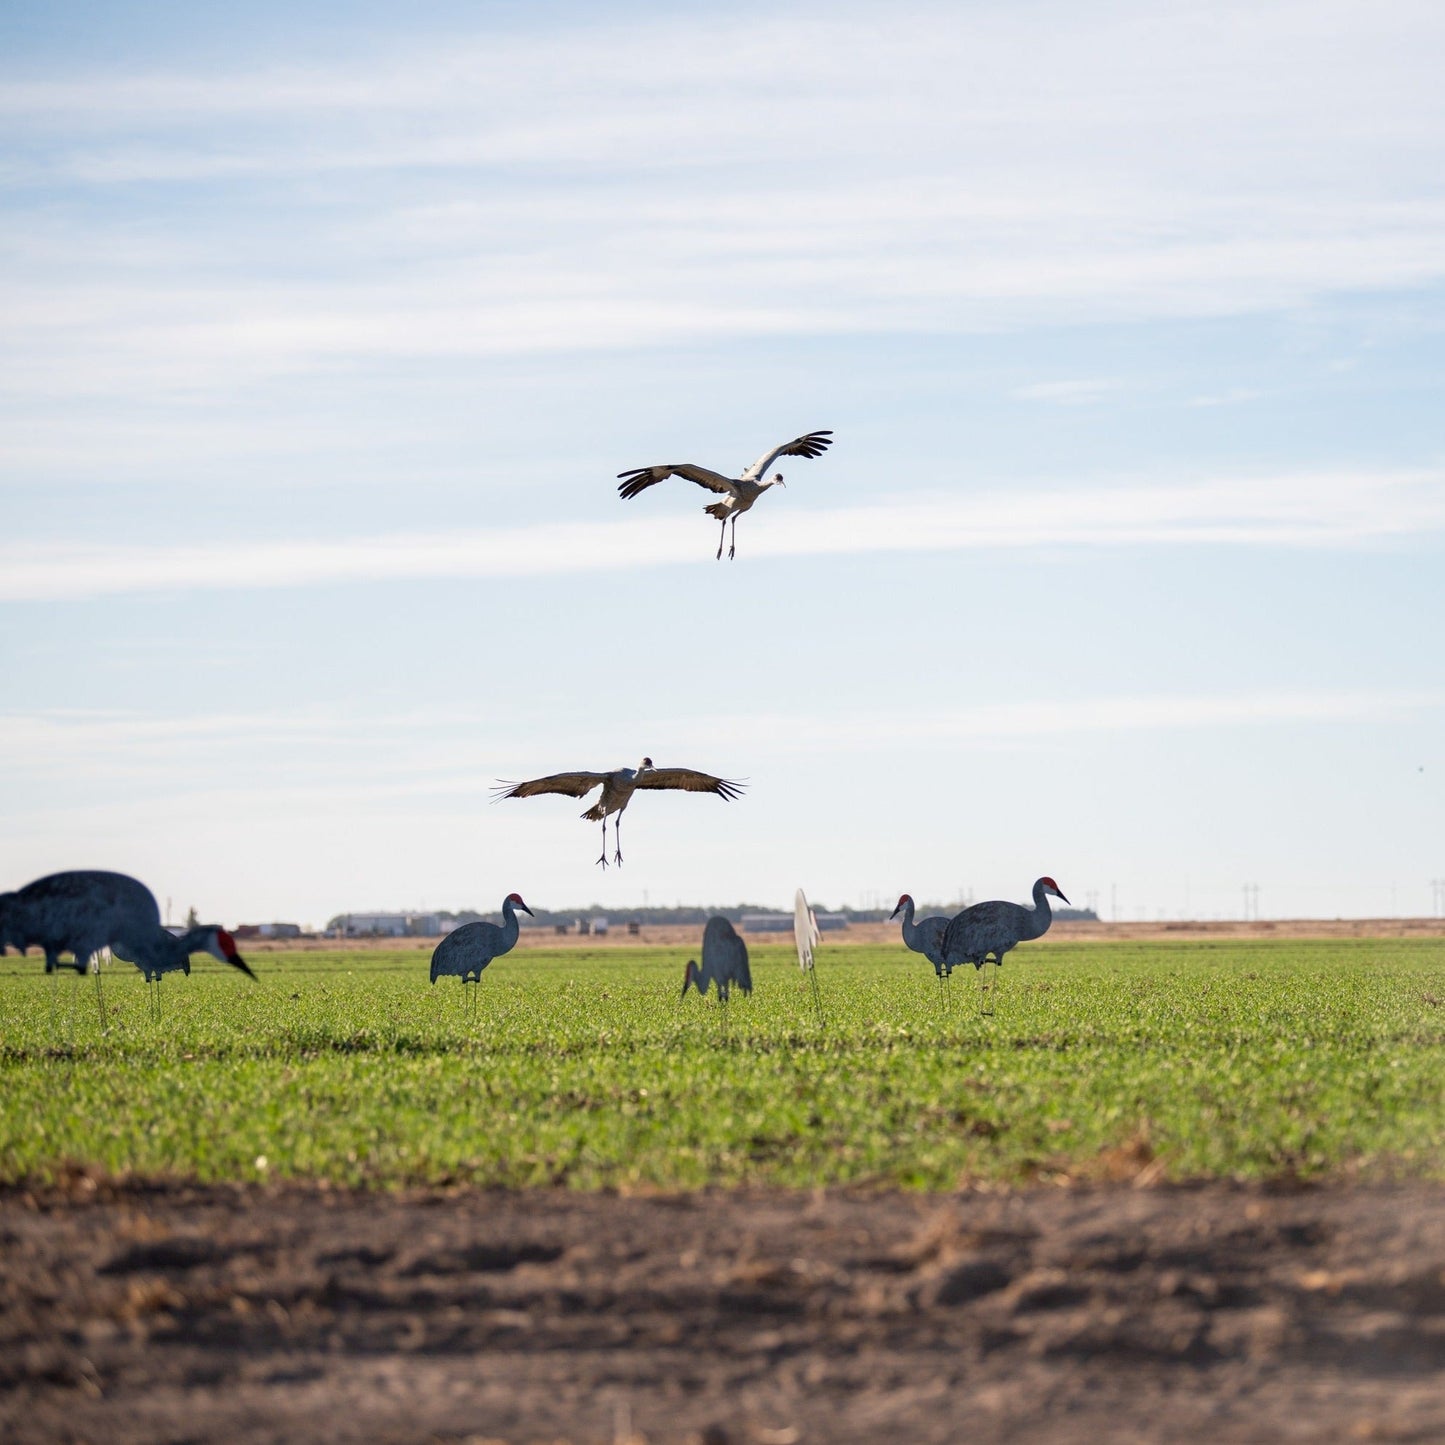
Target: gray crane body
<point>992,929</point>
<point>925,936</point>
<point>161,952</point>
<point>738,493</point>
<point>467,950</point>
<point>79,912</point>
<point>724,962</point>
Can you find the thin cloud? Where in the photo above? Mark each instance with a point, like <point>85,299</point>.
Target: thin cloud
<point>1308,510</point>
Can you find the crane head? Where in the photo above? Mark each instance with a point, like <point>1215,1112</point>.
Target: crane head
<point>1051,887</point>
<point>778,479</point>
<point>221,945</point>
<point>903,900</point>
<point>690,977</point>
<point>515,899</point>
<point>646,763</point>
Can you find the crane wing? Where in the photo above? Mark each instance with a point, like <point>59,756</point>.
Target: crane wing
<point>688,780</point>
<point>812,445</point>
<point>640,478</point>
<point>574,785</point>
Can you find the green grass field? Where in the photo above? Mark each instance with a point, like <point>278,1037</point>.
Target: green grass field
<point>586,1070</point>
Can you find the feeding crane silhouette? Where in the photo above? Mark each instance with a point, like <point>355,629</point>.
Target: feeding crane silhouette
<point>617,790</point>
<point>992,929</point>
<point>81,912</point>
<point>467,950</point>
<point>925,937</point>
<point>724,962</point>
<point>738,493</point>
<point>161,952</point>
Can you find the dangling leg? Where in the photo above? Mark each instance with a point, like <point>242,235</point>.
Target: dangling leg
<point>732,549</point>
<point>603,859</point>
<point>617,837</point>
<point>721,538</point>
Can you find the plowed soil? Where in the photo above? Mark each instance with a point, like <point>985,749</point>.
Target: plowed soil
<point>177,1313</point>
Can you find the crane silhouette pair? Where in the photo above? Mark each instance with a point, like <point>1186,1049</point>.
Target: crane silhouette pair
<point>977,934</point>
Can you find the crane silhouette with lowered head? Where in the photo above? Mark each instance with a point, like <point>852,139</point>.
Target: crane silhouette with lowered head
<point>724,962</point>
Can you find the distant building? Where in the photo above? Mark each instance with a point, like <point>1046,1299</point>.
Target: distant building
<point>767,922</point>
<point>783,922</point>
<point>373,925</point>
<point>386,925</point>
<point>279,930</point>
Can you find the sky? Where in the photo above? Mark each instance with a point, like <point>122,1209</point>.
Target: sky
<point>328,328</point>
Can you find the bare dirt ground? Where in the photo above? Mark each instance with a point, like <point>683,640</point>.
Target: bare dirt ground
<point>177,1313</point>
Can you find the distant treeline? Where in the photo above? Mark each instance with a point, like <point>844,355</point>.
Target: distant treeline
<point>695,913</point>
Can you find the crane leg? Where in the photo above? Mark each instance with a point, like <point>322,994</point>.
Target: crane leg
<point>617,837</point>
<point>721,538</point>
<point>817,996</point>
<point>734,547</point>
<point>603,859</point>
<point>99,994</point>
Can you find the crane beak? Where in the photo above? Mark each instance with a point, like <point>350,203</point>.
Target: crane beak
<point>236,961</point>
<point>895,913</point>
<point>528,911</point>
<point>1060,893</point>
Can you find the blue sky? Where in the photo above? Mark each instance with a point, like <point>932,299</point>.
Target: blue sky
<point>328,331</point>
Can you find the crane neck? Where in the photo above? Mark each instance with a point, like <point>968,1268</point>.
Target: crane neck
<point>910,929</point>
<point>510,927</point>
<point>1042,915</point>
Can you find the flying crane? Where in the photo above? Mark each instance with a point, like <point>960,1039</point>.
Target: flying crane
<point>738,493</point>
<point>618,787</point>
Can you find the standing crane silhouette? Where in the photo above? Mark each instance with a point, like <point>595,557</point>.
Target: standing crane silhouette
<point>617,790</point>
<point>161,952</point>
<point>724,962</point>
<point>925,937</point>
<point>992,929</point>
<point>738,493</point>
<point>467,950</point>
<point>81,912</point>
